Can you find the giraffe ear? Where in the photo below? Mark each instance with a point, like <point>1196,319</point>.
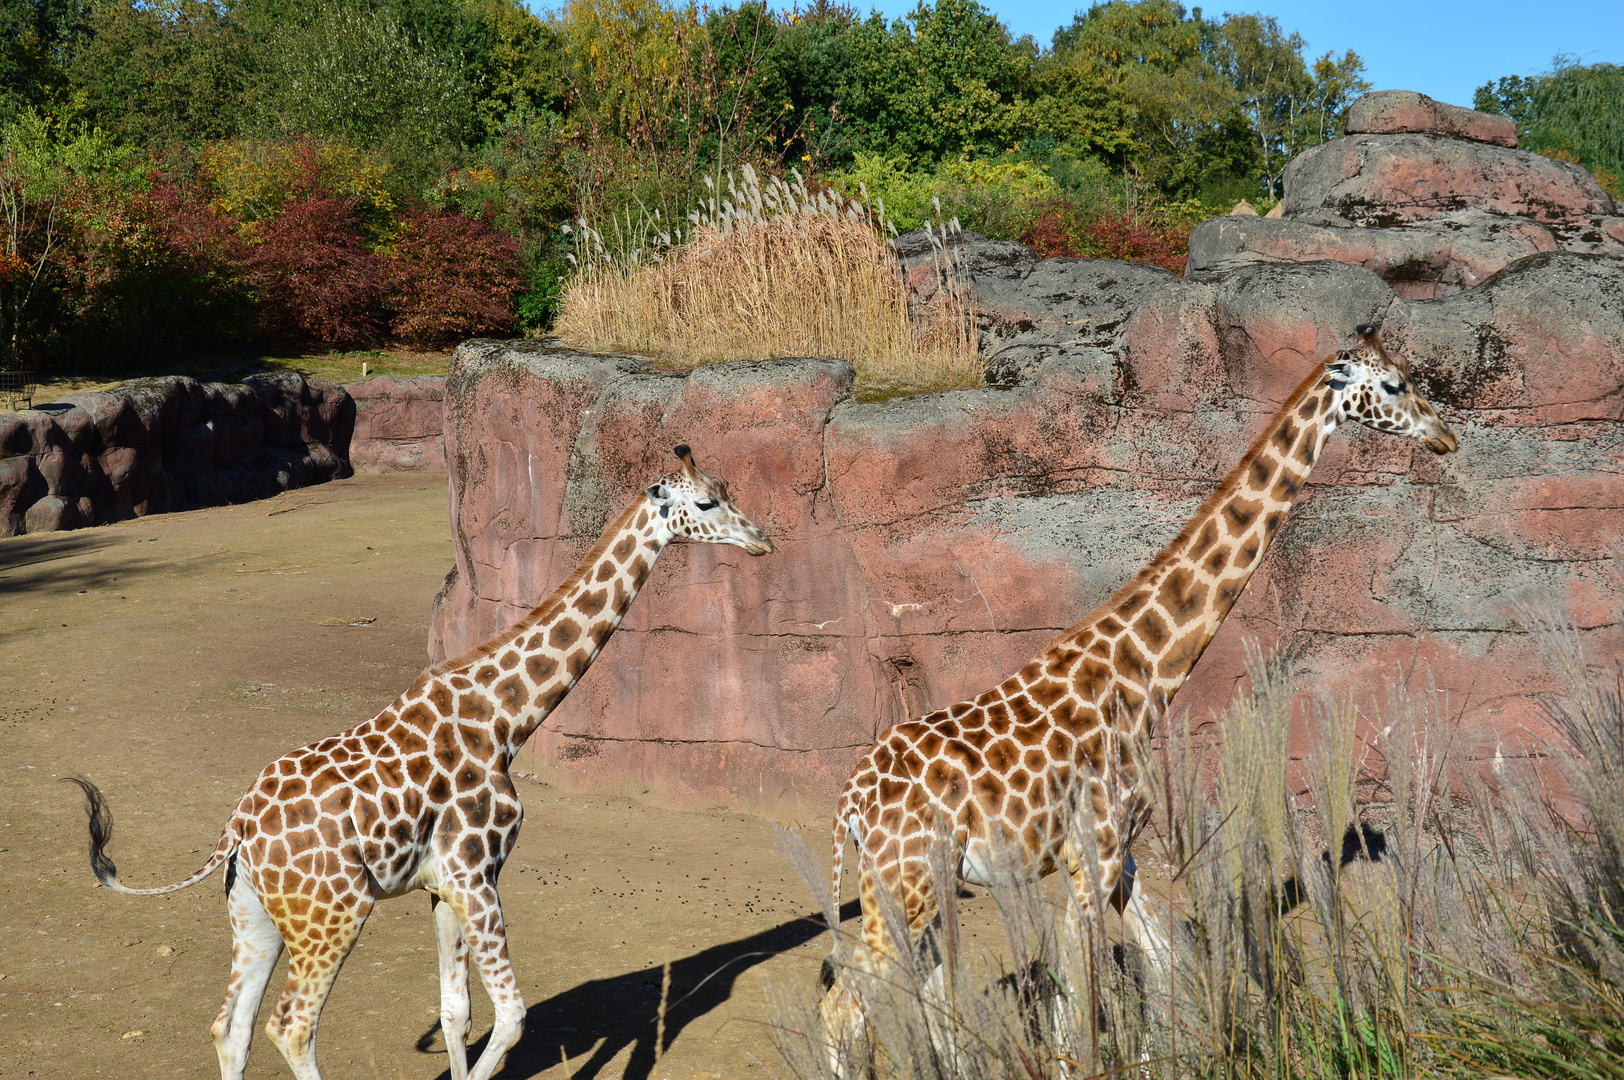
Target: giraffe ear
<point>1339,372</point>
<point>661,495</point>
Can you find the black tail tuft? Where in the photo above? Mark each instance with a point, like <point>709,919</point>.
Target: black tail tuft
<point>826,974</point>
<point>101,830</point>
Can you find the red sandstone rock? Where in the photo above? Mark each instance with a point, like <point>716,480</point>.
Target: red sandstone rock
<point>1421,260</point>
<point>1386,179</point>
<point>928,547</point>
<point>398,423</point>
<point>153,445</point>
<point>1389,111</point>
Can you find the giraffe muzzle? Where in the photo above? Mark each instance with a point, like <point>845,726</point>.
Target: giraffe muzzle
<point>1442,441</point>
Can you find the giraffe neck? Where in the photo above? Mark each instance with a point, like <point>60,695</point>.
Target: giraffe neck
<point>530,669</point>
<point>1173,608</point>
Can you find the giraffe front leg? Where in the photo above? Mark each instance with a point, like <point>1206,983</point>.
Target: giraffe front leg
<point>1141,926</point>
<point>486,935</point>
<point>256,945</point>
<point>456,1011</point>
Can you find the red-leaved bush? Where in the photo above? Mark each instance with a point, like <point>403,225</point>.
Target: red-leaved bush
<point>205,256</point>
<point>315,277</point>
<point>452,276</point>
<point>1124,236</point>
<point>1054,233</point>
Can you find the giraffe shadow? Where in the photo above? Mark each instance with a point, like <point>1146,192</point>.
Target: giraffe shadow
<point>604,1016</point>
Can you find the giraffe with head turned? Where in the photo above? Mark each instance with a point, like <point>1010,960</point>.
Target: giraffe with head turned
<point>1001,773</point>
<point>419,798</point>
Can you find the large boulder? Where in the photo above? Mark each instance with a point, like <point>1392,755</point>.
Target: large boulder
<point>1387,179</point>
<point>1388,112</point>
<point>1418,195</point>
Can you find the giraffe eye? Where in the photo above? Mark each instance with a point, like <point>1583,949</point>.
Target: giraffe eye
<point>1394,389</point>
<point>705,504</point>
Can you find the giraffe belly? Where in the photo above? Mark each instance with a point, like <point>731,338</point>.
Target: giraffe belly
<point>979,865</point>
<point>423,874</point>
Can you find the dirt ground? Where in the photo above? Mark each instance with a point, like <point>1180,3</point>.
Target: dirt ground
<point>169,659</point>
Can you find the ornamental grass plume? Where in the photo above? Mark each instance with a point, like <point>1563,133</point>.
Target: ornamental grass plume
<point>769,271</point>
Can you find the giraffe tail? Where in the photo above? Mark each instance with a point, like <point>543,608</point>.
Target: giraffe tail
<point>839,857</point>
<point>101,833</point>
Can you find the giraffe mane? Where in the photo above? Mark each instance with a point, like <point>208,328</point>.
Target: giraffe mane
<point>1233,481</point>
<point>549,607</point>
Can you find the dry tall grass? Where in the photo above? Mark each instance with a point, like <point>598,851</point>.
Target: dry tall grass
<point>1488,941</point>
<point>771,271</point>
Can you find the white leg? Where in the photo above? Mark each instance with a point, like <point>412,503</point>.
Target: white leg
<point>487,937</point>
<point>939,1017</point>
<point>456,1012</point>
<point>1138,923</point>
<point>255,948</point>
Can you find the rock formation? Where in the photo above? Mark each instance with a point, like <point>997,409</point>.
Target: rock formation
<point>156,445</point>
<point>397,423</point>
<point>928,546</point>
<point>1433,198</point>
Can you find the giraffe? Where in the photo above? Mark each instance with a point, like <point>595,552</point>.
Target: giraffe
<point>419,798</point>
<point>1006,768</point>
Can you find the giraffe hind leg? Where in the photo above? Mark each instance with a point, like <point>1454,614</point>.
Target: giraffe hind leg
<point>256,945</point>
<point>319,937</point>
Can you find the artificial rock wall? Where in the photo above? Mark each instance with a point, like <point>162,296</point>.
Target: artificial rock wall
<point>397,424</point>
<point>151,446</point>
<point>927,547</point>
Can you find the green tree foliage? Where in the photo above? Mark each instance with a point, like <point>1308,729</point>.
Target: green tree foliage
<point>359,75</point>
<point>1186,102</point>
<point>1574,111</point>
<point>944,81</point>
<point>1289,105</point>
<point>164,70</point>
<point>37,39</point>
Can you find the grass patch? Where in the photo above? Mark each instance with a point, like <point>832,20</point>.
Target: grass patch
<point>772,271</point>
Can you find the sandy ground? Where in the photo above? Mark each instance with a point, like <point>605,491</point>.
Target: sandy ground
<point>169,659</point>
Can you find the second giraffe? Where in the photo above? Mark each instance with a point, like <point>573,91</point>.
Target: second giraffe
<point>1003,768</point>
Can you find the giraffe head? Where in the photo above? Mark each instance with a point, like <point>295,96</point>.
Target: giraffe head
<point>695,507</point>
<point>1376,390</point>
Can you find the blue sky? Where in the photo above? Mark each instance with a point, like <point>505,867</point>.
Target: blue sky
<point>1444,50</point>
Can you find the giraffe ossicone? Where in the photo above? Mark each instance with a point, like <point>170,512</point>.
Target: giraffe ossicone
<point>419,798</point>
<point>1004,774</point>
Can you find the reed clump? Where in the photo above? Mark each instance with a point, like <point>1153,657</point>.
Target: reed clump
<point>1473,926</point>
<point>771,270</point>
